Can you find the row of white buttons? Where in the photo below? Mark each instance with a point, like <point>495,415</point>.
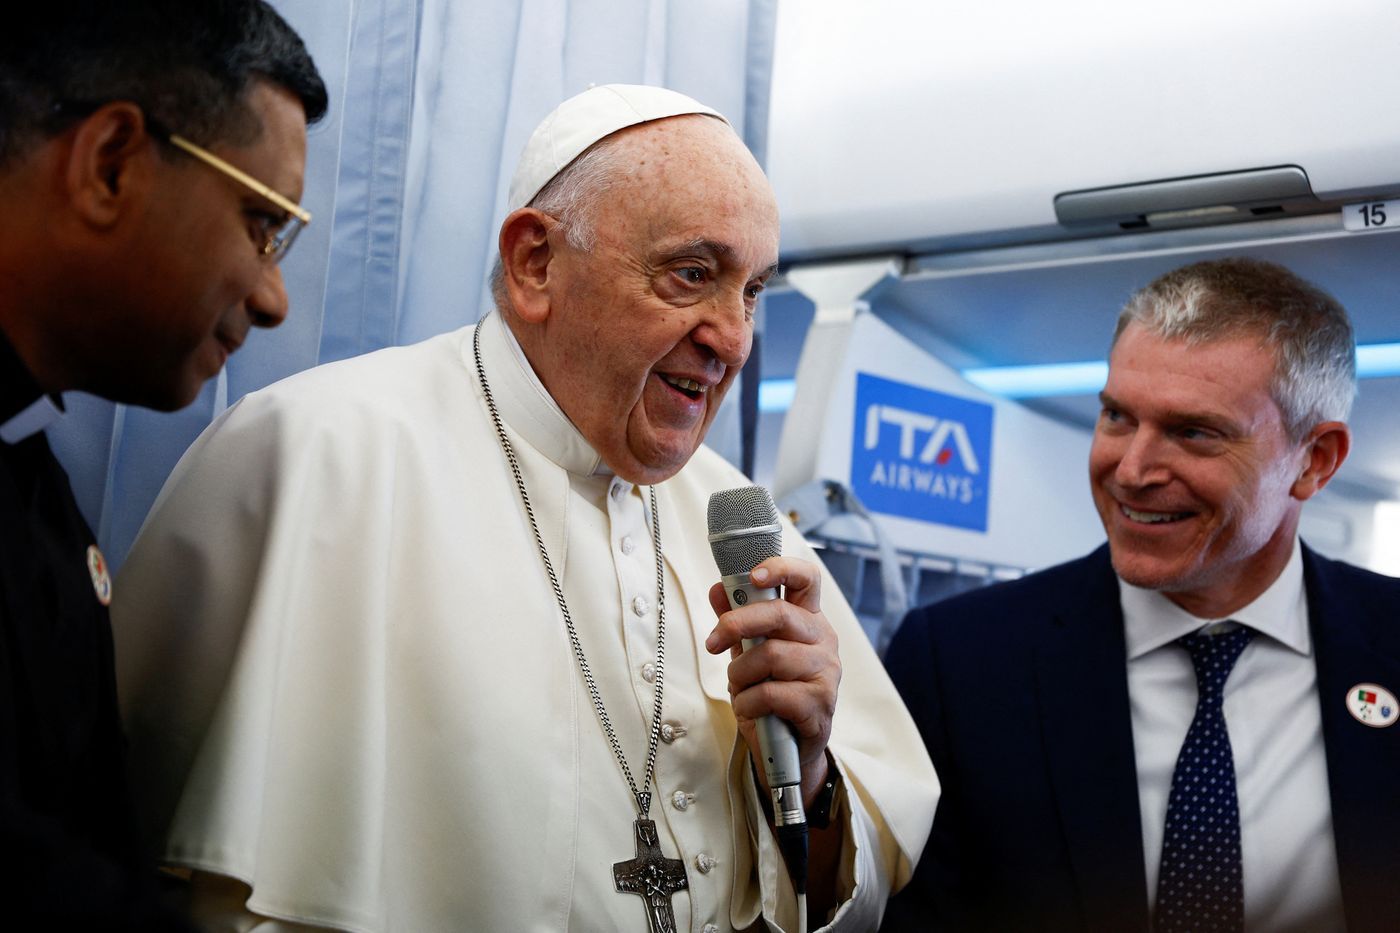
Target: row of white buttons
<point>704,862</point>
<point>670,731</point>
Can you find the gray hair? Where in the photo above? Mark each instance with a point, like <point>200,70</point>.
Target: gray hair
<point>1308,330</point>
<point>570,198</point>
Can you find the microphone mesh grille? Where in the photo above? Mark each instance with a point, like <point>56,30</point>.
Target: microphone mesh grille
<point>734,509</point>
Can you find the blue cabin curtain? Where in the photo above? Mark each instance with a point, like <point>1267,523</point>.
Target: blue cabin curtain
<point>431,103</point>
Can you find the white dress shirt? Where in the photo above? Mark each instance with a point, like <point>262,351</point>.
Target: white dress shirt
<point>1274,719</point>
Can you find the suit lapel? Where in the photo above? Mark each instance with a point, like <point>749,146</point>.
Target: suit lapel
<point>1362,761</point>
<point>1082,688</point>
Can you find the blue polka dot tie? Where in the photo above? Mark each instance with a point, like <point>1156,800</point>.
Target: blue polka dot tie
<point>1200,888</point>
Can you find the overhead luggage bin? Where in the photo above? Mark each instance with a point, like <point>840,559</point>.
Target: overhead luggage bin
<point>1229,197</point>
<point>911,127</point>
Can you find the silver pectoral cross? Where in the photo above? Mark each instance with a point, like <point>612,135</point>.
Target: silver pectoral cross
<point>653,876</point>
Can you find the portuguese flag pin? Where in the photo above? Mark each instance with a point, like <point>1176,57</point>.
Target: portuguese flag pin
<point>1372,705</point>
<point>101,579</point>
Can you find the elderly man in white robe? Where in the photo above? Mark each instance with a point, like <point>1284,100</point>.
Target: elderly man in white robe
<point>427,640</point>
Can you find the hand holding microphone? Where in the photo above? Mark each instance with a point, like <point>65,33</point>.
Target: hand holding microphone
<point>784,681</point>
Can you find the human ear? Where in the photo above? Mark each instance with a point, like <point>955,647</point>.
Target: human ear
<point>525,259</point>
<point>1324,451</point>
<point>108,163</point>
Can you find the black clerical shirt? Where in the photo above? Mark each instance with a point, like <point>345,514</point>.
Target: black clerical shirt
<point>72,860</point>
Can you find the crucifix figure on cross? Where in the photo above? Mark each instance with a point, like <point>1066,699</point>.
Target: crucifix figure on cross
<point>652,876</point>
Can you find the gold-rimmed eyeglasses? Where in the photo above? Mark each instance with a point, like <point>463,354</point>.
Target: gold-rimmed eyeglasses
<point>278,232</point>
<point>279,236</point>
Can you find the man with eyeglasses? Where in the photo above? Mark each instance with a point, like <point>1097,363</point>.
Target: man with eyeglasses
<point>151,156</point>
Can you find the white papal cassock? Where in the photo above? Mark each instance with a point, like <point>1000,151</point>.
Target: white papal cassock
<point>348,685</point>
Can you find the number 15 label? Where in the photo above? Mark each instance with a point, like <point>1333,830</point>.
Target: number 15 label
<point>1371,215</point>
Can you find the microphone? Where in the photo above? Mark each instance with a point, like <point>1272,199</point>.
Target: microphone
<point>744,532</point>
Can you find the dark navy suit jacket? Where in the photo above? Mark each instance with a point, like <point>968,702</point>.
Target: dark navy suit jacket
<point>1021,693</point>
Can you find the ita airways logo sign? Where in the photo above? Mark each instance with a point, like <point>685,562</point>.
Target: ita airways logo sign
<point>921,454</point>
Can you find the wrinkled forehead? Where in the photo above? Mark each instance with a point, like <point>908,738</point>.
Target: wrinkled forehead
<point>1243,338</point>
<point>690,177</point>
<point>681,147</point>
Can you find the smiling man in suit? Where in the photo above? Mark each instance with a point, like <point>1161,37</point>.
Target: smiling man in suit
<point>1186,728</point>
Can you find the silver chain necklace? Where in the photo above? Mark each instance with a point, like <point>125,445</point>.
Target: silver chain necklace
<point>650,874</point>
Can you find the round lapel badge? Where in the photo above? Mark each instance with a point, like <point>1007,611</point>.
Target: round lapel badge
<point>101,579</point>
<point>1372,705</point>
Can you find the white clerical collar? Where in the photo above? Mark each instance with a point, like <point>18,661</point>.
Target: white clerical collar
<point>1151,620</point>
<point>526,405</point>
<point>30,420</point>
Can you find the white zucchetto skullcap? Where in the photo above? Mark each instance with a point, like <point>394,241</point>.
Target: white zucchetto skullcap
<point>581,121</point>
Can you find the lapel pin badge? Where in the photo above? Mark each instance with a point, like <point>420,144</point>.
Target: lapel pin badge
<point>1372,705</point>
<point>101,579</point>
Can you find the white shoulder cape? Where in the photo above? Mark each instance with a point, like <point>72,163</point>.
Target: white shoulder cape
<point>327,668</point>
